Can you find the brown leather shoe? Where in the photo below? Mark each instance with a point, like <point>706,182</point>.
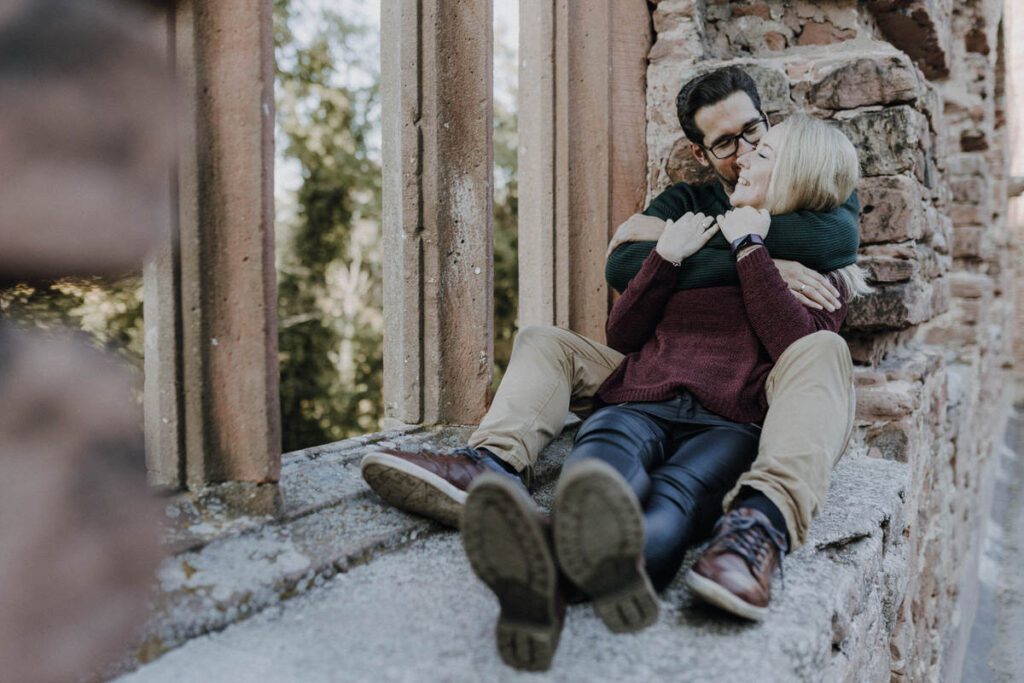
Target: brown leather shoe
<point>508,543</point>
<point>735,572</point>
<point>426,483</point>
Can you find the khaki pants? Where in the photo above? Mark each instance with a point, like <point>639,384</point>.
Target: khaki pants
<point>809,391</point>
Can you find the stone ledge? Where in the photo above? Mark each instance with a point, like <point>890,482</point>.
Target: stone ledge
<point>354,574</point>
<point>225,567</point>
<point>308,480</point>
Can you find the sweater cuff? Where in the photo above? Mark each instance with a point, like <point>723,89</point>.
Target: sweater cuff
<point>660,268</point>
<point>756,261</point>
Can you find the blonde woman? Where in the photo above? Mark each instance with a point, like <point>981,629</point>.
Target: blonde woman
<point>680,418</point>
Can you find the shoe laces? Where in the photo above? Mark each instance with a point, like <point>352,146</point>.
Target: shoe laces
<point>750,538</point>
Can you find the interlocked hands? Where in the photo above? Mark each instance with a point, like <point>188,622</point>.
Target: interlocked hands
<point>685,236</point>
<point>745,220</point>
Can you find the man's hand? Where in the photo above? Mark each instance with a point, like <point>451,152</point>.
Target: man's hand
<point>745,220</point>
<point>685,237</point>
<point>636,228</point>
<point>810,287</point>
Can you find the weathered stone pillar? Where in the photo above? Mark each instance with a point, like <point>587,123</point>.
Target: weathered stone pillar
<point>165,447</point>
<point>582,153</point>
<point>213,346</point>
<point>1013,27</point>
<point>438,267</point>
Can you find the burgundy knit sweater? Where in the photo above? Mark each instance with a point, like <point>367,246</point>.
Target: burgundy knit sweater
<point>718,342</point>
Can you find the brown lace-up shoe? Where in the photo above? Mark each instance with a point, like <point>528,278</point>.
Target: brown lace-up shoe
<point>735,571</point>
<point>426,483</point>
<point>599,542</point>
<point>508,544</point>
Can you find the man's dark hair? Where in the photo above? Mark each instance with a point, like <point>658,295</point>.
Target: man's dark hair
<point>711,88</point>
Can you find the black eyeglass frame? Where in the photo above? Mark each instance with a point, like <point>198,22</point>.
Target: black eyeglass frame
<point>735,138</point>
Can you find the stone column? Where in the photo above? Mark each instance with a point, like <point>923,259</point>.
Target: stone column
<point>1013,30</point>
<point>582,154</point>
<point>214,290</point>
<point>438,267</point>
<point>163,393</point>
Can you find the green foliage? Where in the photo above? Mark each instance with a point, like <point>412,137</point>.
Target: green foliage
<point>506,232</point>
<point>109,312</point>
<point>329,271</point>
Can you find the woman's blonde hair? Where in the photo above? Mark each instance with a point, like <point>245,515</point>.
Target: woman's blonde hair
<point>816,169</point>
<point>854,280</point>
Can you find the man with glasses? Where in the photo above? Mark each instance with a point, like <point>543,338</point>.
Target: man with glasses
<point>553,370</point>
<point>728,145</point>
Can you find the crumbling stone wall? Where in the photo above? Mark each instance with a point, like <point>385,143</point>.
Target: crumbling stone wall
<point>919,87</point>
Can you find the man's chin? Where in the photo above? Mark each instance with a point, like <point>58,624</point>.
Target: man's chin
<point>729,184</point>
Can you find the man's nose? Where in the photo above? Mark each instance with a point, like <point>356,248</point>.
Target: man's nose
<point>742,159</point>
<point>743,147</point>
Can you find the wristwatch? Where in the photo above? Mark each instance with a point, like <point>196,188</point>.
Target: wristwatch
<point>745,241</point>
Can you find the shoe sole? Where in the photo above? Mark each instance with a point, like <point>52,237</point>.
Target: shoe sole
<point>413,488</point>
<point>721,597</point>
<point>599,542</point>
<point>508,549</point>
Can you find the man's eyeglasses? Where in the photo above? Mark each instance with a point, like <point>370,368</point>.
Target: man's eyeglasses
<point>726,147</point>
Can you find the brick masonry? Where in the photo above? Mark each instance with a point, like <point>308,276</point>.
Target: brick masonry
<point>919,87</point>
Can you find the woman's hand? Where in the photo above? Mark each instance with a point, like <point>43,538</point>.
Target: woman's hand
<point>685,237</point>
<point>810,287</point>
<point>745,220</point>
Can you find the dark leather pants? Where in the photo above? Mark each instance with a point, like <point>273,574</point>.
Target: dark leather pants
<point>679,469</point>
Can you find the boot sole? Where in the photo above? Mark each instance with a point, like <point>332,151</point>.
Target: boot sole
<point>508,550</point>
<point>413,488</point>
<point>721,597</point>
<point>599,542</point>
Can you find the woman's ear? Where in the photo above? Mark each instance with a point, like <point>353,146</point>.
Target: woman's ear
<point>700,154</point>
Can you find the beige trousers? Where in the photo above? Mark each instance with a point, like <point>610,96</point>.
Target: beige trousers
<point>809,391</point>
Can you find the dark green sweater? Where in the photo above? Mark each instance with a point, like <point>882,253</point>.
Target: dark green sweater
<point>820,240</point>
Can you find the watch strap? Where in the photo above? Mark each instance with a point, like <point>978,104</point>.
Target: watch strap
<point>745,241</point>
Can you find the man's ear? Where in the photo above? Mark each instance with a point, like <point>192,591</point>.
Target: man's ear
<point>700,154</point>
